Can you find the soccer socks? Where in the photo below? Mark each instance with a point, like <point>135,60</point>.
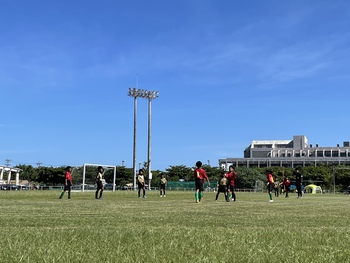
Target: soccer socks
<point>200,196</point>
<point>61,195</point>
<point>196,196</point>
<point>270,196</point>
<point>228,197</point>
<point>68,195</point>
<point>234,196</point>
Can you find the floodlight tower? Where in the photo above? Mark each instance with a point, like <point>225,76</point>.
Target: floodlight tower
<point>150,95</point>
<point>135,93</point>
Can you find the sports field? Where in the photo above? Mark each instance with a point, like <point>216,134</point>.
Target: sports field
<point>38,227</point>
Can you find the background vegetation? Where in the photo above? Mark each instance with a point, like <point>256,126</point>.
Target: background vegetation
<point>321,175</point>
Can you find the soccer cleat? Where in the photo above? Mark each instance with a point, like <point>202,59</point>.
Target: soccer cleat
<point>271,201</point>
<point>144,196</point>
<point>164,195</point>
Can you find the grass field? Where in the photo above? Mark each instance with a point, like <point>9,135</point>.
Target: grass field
<point>38,227</point>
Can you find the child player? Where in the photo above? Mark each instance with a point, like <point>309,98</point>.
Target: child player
<point>141,184</point>
<point>286,185</point>
<point>232,177</point>
<point>199,176</point>
<point>67,182</point>
<point>99,182</point>
<point>163,183</point>
<point>222,186</point>
<point>270,184</point>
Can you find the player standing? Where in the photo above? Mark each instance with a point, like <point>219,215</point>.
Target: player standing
<point>270,183</point>
<point>141,183</point>
<point>67,182</point>
<point>298,182</point>
<point>232,177</point>
<point>99,182</point>
<point>163,183</point>
<point>222,186</point>
<point>199,176</point>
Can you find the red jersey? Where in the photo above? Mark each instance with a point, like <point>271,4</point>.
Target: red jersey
<point>68,176</point>
<point>199,173</point>
<point>232,178</point>
<point>270,178</point>
<point>286,182</point>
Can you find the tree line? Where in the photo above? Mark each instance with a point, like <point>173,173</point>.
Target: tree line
<point>323,175</point>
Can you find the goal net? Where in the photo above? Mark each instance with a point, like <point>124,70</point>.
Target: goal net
<point>90,172</point>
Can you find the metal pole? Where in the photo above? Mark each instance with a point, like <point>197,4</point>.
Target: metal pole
<point>333,181</point>
<point>149,143</point>
<point>134,148</point>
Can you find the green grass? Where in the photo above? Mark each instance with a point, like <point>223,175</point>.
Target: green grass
<point>38,227</point>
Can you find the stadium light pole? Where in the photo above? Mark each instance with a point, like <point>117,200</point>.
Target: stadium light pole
<point>135,93</point>
<point>150,95</point>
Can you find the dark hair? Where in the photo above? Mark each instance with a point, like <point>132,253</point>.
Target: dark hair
<point>100,167</point>
<point>68,167</point>
<point>231,166</point>
<point>141,170</point>
<point>198,164</point>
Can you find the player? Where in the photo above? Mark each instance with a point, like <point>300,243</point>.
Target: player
<point>99,182</point>
<point>199,176</point>
<point>232,177</point>
<point>67,182</point>
<point>298,182</point>
<point>270,183</point>
<point>222,186</point>
<point>286,185</point>
<point>163,183</point>
<point>141,183</point>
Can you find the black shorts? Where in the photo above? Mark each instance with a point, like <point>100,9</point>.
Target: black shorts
<point>222,189</point>
<point>68,187</point>
<point>162,186</point>
<point>232,188</point>
<point>99,185</point>
<point>270,187</point>
<point>199,185</point>
<point>141,186</point>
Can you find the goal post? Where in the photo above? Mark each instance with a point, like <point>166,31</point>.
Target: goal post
<point>105,166</point>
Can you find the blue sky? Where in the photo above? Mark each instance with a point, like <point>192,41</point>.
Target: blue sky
<point>227,72</point>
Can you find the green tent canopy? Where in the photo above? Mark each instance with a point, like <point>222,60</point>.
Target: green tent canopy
<point>313,189</point>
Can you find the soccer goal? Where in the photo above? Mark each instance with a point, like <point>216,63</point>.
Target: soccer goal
<point>90,172</point>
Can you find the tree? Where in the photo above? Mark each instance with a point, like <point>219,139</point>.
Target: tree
<point>246,177</point>
<point>175,173</point>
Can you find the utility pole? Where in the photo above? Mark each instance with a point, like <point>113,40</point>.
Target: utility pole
<point>8,162</point>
